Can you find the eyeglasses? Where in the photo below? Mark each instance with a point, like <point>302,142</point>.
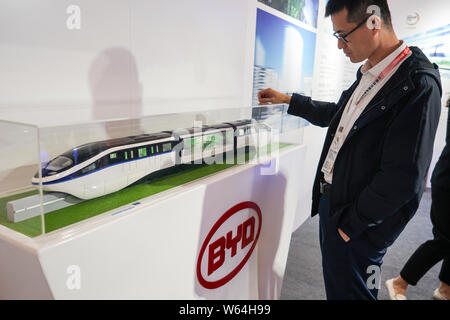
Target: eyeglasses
<point>344,37</point>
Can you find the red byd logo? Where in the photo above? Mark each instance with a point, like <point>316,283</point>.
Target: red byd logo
<point>229,245</point>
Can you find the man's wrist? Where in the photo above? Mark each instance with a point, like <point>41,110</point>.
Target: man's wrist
<point>287,99</point>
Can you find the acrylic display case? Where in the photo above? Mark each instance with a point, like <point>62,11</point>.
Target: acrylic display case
<point>60,183</point>
<point>106,157</point>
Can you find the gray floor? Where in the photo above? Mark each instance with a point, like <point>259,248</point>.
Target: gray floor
<point>303,277</point>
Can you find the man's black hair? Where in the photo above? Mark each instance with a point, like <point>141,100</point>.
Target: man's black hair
<point>357,10</point>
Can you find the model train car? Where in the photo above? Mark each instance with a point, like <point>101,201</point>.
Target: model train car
<point>99,168</point>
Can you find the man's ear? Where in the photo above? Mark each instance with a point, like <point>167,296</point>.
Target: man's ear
<point>374,22</point>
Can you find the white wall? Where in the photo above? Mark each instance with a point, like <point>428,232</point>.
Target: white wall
<point>333,71</point>
<point>432,14</point>
<point>128,58</point>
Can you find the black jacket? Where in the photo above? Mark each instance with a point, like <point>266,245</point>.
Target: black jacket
<point>379,173</point>
<point>441,172</point>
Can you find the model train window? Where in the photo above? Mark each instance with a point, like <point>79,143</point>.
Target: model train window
<point>59,163</point>
<point>191,143</point>
<point>142,152</point>
<point>188,143</point>
<point>129,154</point>
<point>111,159</point>
<point>166,147</point>
<point>209,141</point>
<point>87,151</point>
<point>89,168</point>
<point>228,137</point>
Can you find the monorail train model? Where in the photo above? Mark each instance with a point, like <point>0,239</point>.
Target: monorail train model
<point>99,168</point>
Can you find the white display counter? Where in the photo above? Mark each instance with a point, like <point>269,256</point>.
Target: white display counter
<point>224,236</point>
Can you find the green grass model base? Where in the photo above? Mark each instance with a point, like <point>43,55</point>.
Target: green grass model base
<point>153,184</point>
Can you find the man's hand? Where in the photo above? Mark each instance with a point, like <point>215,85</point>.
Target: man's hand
<point>343,235</point>
<point>271,96</point>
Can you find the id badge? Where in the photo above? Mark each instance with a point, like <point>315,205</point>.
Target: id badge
<point>329,161</point>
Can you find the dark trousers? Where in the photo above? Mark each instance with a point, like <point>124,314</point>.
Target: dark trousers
<point>433,251</point>
<point>351,270</point>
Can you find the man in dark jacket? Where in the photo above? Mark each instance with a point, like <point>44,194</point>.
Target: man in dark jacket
<point>377,150</point>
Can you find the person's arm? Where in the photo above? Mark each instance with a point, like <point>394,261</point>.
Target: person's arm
<point>317,112</point>
<point>406,157</point>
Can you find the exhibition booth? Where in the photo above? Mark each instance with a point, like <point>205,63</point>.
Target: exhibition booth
<point>137,162</point>
<point>203,212</point>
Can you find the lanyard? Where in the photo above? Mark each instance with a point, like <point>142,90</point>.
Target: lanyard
<point>385,72</point>
<point>328,165</point>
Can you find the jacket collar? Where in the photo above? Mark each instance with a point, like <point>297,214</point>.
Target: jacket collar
<point>395,88</point>
<point>401,81</point>
<point>380,66</point>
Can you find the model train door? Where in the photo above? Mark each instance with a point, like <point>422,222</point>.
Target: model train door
<point>156,151</point>
<point>167,155</point>
<point>130,165</point>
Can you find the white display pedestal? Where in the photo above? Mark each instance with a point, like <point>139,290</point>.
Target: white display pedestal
<point>183,243</point>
